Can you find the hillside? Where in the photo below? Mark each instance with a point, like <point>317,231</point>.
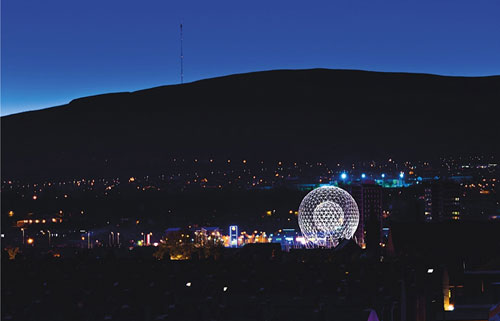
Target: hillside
<point>300,114</point>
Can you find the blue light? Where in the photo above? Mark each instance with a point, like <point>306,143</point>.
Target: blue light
<point>383,175</point>
<point>343,175</point>
<point>363,175</point>
<point>233,236</point>
<point>401,175</point>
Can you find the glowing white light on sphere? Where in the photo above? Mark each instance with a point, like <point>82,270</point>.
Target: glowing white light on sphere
<point>328,216</point>
<point>328,213</point>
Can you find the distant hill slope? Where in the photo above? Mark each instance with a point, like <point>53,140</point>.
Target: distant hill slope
<point>299,114</point>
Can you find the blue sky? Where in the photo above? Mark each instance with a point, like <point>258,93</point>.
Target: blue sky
<point>56,50</point>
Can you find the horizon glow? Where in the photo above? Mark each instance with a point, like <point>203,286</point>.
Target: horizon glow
<point>79,49</point>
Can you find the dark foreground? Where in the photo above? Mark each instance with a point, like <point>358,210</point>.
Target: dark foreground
<point>257,283</point>
<point>138,289</point>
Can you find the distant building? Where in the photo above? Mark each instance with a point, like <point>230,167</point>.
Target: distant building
<point>287,238</point>
<point>369,200</point>
<point>206,235</point>
<point>442,201</point>
<point>172,233</point>
<point>233,236</point>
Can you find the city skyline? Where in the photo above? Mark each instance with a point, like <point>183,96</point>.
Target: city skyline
<point>236,161</point>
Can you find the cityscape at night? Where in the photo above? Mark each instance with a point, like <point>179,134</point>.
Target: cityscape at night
<point>259,195</point>
<point>268,161</point>
<point>220,214</point>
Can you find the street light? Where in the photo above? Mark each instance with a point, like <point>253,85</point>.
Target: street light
<point>22,230</point>
<point>48,231</point>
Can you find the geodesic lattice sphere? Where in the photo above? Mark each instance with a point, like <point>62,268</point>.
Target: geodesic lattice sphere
<point>328,212</point>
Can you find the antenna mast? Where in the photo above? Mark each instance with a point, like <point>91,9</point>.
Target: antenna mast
<point>182,60</point>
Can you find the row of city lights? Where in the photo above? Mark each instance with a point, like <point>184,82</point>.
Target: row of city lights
<point>343,176</point>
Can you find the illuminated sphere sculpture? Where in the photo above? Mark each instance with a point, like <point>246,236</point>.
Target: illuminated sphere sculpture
<point>328,214</point>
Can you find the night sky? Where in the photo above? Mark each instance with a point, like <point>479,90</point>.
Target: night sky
<point>57,50</point>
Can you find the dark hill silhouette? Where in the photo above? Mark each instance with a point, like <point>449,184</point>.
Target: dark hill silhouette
<point>299,114</point>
